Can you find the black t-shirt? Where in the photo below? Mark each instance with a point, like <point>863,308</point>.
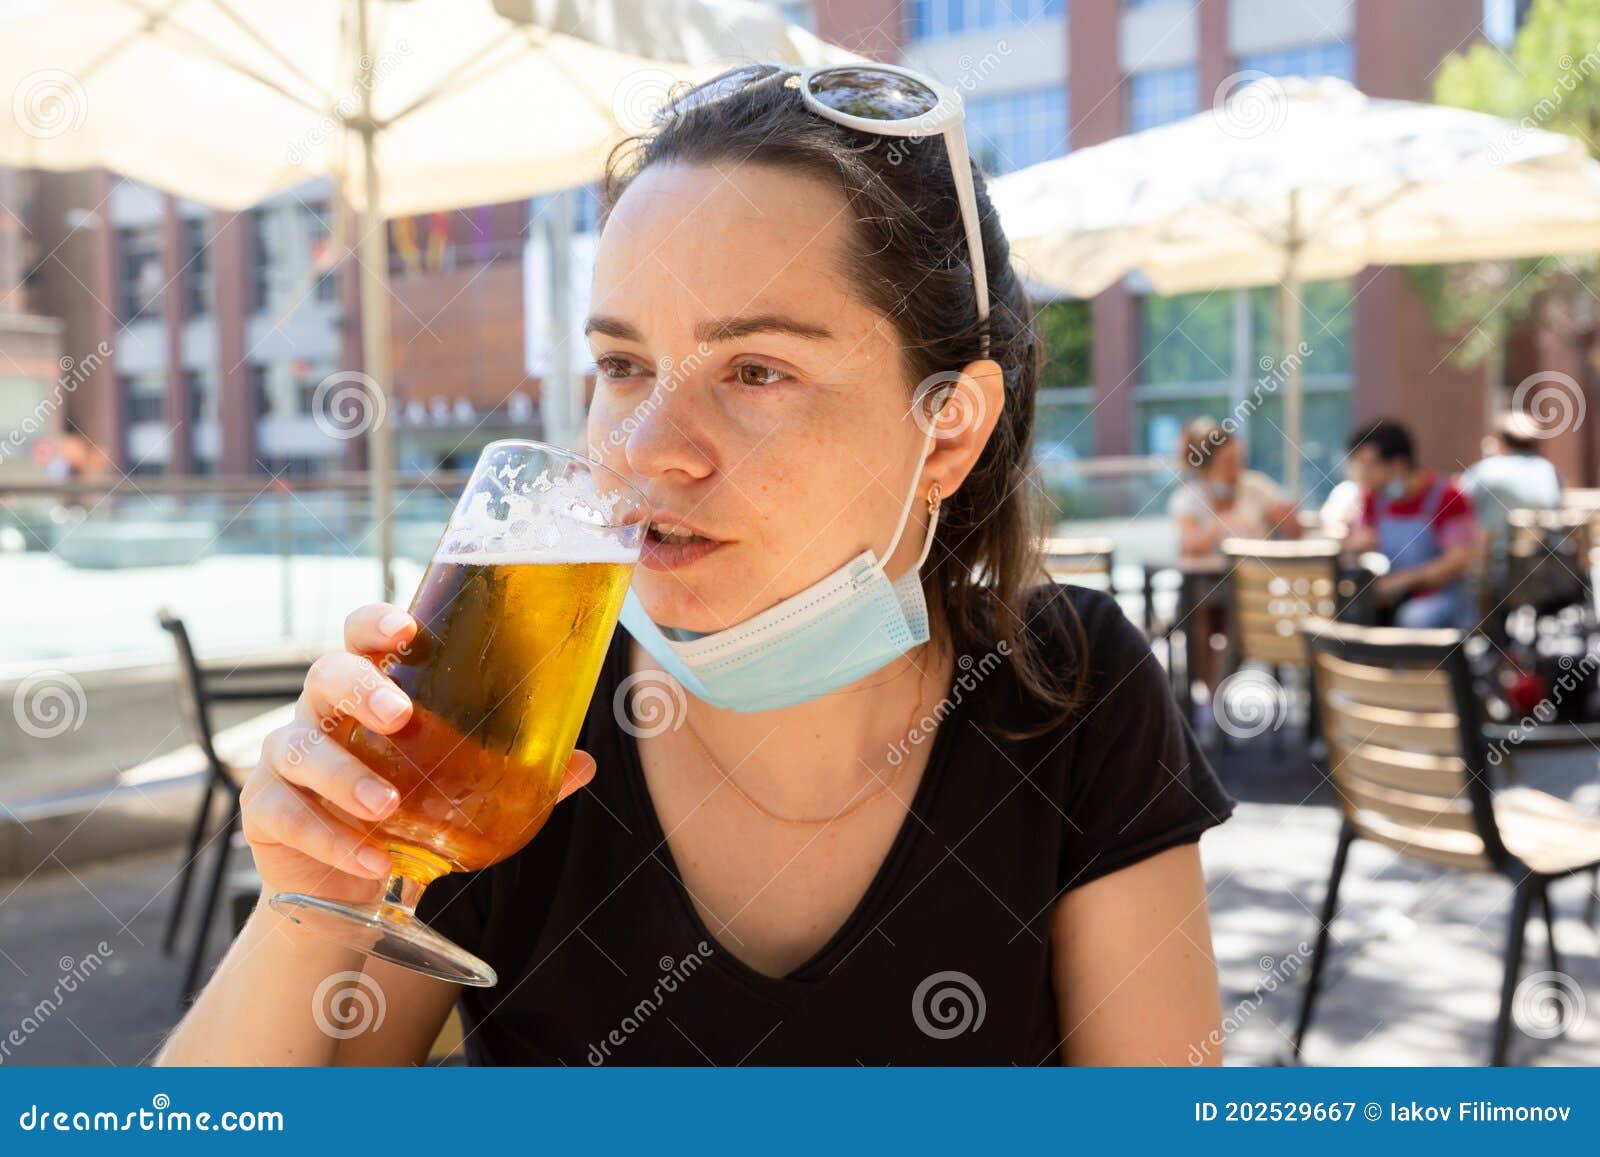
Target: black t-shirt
<point>602,958</point>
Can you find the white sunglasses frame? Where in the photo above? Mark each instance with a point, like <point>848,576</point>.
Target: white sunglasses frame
<point>945,118</point>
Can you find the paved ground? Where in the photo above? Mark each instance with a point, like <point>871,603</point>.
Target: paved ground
<point>1415,979</point>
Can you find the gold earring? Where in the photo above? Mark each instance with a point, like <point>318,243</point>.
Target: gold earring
<point>933,499</point>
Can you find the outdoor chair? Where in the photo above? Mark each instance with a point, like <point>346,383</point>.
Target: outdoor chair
<point>1274,587</point>
<point>1548,560</point>
<point>198,688</point>
<point>1081,561</point>
<point>1410,759</point>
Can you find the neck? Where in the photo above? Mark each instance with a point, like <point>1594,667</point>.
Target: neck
<point>812,758</point>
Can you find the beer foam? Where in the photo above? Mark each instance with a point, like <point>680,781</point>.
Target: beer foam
<point>542,520</point>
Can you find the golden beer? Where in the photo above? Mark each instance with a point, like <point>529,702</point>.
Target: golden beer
<point>514,615</point>
<point>500,674</point>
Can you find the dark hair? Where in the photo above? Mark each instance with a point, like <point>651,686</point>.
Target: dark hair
<point>1201,438</point>
<point>908,261</point>
<point>1390,439</point>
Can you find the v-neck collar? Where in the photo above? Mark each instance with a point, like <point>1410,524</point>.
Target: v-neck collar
<point>848,936</point>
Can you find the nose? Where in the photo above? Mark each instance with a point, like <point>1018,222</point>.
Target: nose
<point>664,436</point>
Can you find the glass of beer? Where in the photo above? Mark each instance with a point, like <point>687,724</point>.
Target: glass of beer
<point>515,614</point>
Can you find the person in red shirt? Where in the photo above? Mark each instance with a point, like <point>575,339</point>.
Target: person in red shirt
<point>1423,523</point>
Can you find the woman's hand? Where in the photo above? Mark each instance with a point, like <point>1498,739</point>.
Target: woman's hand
<point>310,807</point>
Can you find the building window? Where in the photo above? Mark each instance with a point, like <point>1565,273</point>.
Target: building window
<point>1218,354</point>
<point>197,279</point>
<point>930,18</point>
<point>144,397</point>
<point>287,389</point>
<point>260,395</point>
<point>1327,58</point>
<point>1016,129</point>
<point>1161,96</point>
<point>201,386</point>
<point>139,272</point>
<point>316,219</point>
<point>799,12</point>
<point>288,245</point>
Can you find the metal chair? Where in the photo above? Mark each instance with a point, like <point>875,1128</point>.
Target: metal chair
<point>198,689</point>
<point>1410,760</point>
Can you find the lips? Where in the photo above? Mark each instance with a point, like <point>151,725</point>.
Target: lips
<point>672,542</point>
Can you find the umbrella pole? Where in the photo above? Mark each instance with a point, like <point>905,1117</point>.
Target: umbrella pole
<point>1289,317</point>
<point>373,251</point>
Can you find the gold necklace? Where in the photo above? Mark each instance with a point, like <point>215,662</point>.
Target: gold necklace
<point>774,816</point>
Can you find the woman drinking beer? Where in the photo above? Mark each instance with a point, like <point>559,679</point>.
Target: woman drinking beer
<point>857,783</point>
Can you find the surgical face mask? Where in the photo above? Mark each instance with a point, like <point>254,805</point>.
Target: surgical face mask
<point>841,628</point>
<point>1222,491</point>
<point>1394,489</point>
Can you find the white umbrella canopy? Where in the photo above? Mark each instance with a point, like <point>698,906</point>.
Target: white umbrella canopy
<point>407,105</point>
<point>230,102</point>
<point>1295,180</point>
<point>1315,170</point>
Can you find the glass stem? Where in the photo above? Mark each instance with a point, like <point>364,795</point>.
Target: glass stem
<point>413,871</point>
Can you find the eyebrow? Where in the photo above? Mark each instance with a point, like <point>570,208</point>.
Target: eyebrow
<point>717,329</point>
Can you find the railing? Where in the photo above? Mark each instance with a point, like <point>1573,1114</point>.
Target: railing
<point>250,562</point>
<point>253,562</point>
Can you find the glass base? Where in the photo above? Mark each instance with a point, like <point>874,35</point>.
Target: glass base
<point>381,930</point>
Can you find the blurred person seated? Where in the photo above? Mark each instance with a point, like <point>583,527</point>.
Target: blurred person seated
<point>1511,476</point>
<point>1423,524</point>
<point>1340,509</point>
<point>1218,498</point>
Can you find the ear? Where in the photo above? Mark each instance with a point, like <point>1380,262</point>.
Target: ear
<point>974,401</point>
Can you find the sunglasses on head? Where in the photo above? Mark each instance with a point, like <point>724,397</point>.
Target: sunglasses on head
<point>881,99</point>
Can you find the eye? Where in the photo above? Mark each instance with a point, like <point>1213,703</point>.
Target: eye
<point>756,375</point>
<point>616,368</point>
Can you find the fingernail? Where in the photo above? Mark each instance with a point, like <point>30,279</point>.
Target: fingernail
<point>376,796</point>
<point>388,704</point>
<point>373,860</point>
<point>394,622</point>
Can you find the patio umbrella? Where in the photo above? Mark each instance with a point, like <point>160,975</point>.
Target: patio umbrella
<point>1296,180</point>
<point>408,105</point>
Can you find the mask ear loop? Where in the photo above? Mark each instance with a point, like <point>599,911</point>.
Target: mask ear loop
<point>905,507</point>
